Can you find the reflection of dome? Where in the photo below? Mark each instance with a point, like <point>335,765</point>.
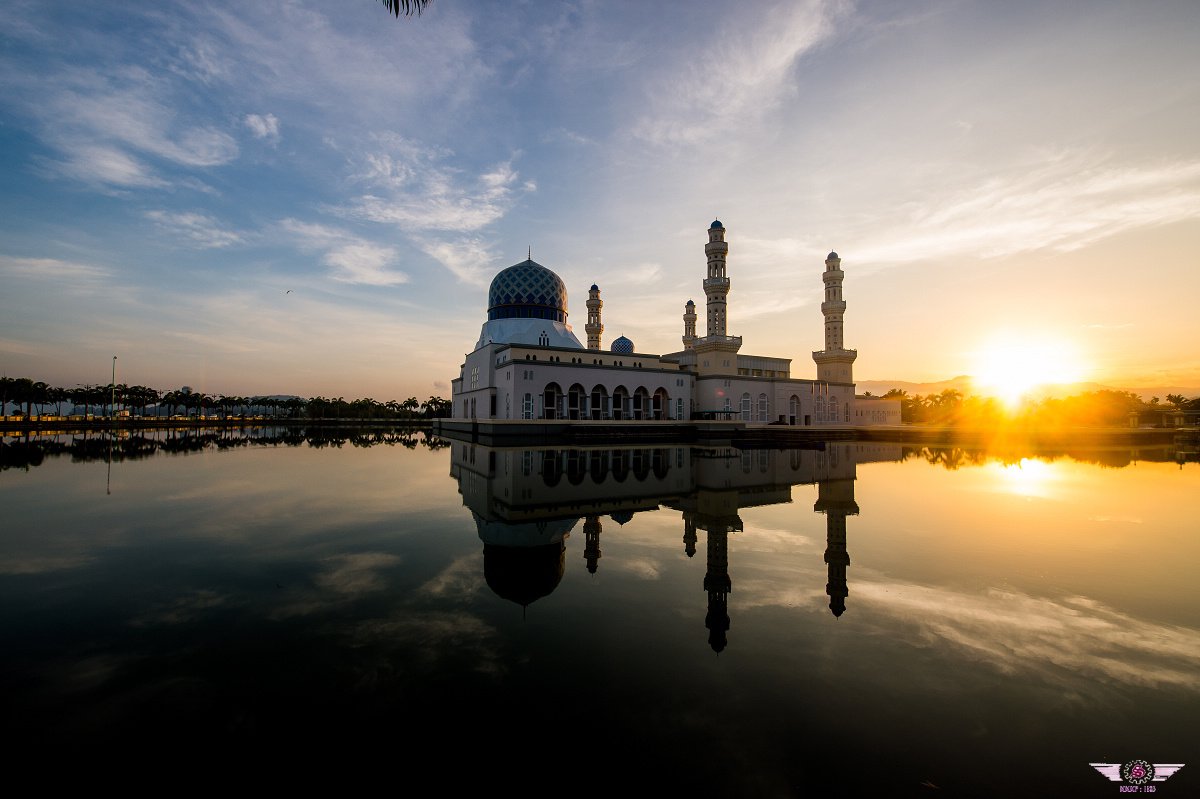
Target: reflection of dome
<point>716,225</point>
<point>523,534</point>
<point>832,256</point>
<point>523,574</point>
<point>527,290</point>
<point>622,346</point>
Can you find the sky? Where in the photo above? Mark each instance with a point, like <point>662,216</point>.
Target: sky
<point>312,197</point>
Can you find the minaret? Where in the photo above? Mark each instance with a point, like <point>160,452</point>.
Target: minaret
<point>835,364</point>
<point>689,325</point>
<point>591,541</point>
<point>716,353</point>
<point>593,327</point>
<point>716,285</point>
<point>835,498</point>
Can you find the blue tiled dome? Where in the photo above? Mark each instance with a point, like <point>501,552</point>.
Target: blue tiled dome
<point>527,290</point>
<point>622,346</point>
<point>716,224</point>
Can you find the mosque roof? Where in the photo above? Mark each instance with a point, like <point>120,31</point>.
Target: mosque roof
<point>527,284</point>
<point>622,346</point>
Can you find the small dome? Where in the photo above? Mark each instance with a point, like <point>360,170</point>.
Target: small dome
<point>595,287</point>
<point>691,304</point>
<point>832,256</point>
<point>716,224</point>
<point>622,346</point>
<point>527,290</point>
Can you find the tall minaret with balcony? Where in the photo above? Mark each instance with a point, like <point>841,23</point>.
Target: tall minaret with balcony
<point>593,327</point>
<point>689,325</point>
<point>835,364</point>
<point>716,353</point>
<point>835,498</point>
<point>716,285</point>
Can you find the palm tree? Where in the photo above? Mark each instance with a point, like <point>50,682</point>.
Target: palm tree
<point>57,395</point>
<point>408,7</point>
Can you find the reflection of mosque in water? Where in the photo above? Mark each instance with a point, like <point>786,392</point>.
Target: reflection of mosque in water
<point>527,502</point>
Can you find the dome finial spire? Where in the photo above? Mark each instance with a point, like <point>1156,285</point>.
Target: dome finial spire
<point>529,254</point>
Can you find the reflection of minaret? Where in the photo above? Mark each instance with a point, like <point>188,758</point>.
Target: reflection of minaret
<point>835,498</point>
<point>689,534</point>
<point>717,513</point>
<point>591,541</point>
<point>719,586</point>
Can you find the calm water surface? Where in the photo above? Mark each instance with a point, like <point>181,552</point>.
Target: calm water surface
<point>850,619</point>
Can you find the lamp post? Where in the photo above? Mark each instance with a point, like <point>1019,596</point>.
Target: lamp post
<point>112,414</point>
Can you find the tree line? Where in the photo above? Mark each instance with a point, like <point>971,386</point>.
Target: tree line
<point>1102,408</point>
<point>26,453</point>
<point>24,394</point>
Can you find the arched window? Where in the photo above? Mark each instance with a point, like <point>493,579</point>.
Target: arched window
<point>577,402</point>
<point>620,403</point>
<point>527,407</point>
<point>552,402</point>
<point>599,403</point>
<point>762,407</point>
<point>746,407</point>
<point>793,409</point>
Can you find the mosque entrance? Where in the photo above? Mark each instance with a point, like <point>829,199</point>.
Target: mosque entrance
<point>660,404</point>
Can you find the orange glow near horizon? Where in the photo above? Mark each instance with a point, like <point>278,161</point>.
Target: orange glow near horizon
<point>1008,367</point>
<point>1029,477</point>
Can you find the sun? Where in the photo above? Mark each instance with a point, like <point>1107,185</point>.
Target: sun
<point>1010,366</point>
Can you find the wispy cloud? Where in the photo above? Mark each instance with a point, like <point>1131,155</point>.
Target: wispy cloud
<point>414,187</point>
<point>1017,633</point>
<point>469,259</point>
<point>357,574</point>
<point>198,229</point>
<point>263,126</point>
<point>364,263</point>
<point>50,269</point>
<point>1064,204</point>
<point>351,259</point>
<point>739,74</point>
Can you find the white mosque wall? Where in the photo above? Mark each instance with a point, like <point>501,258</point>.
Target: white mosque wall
<point>873,411</point>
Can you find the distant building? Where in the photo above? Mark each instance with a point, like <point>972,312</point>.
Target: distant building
<point>528,364</point>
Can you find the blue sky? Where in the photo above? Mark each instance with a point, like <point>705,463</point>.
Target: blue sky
<point>1015,173</point>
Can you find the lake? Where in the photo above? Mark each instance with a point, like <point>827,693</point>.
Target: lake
<point>845,619</point>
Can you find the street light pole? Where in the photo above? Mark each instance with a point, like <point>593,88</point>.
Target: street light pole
<point>112,414</point>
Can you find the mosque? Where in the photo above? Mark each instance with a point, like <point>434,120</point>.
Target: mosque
<point>529,365</point>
